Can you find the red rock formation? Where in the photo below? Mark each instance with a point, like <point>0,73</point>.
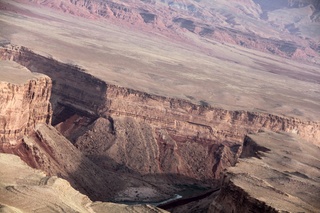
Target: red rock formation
<point>55,155</point>
<point>147,133</point>
<point>24,102</point>
<point>163,140</point>
<point>25,112</point>
<point>83,92</point>
<point>275,173</point>
<point>175,136</point>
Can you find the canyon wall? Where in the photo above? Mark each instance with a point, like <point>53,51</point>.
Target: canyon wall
<point>129,141</point>
<point>24,102</point>
<point>275,173</point>
<point>72,87</point>
<point>152,134</point>
<point>182,117</point>
<point>52,153</point>
<point>25,130</point>
<point>131,131</point>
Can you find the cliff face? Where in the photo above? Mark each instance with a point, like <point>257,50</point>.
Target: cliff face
<point>71,86</point>
<point>24,102</point>
<point>165,135</point>
<point>163,140</point>
<point>150,134</point>
<point>275,173</point>
<point>51,152</point>
<point>25,112</point>
<point>205,122</point>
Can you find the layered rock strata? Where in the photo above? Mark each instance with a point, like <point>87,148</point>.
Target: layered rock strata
<point>149,134</point>
<point>24,102</point>
<point>54,154</point>
<point>175,136</point>
<point>160,139</point>
<point>276,173</point>
<point>71,85</point>
<point>25,113</point>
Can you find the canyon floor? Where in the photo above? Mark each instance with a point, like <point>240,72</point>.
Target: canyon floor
<point>107,103</point>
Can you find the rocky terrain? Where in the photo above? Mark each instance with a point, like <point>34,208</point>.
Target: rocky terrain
<point>283,175</point>
<point>276,172</point>
<point>24,101</point>
<point>221,74</point>
<point>236,22</point>
<point>31,190</point>
<point>122,124</point>
<point>42,147</point>
<point>191,119</point>
<point>160,140</point>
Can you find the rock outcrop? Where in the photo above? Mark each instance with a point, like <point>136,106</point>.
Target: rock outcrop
<point>26,113</point>
<point>149,134</point>
<point>23,189</point>
<point>51,152</point>
<point>24,102</point>
<point>162,140</point>
<point>175,136</point>
<point>275,173</point>
<point>83,92</point>
<point>135,146</point>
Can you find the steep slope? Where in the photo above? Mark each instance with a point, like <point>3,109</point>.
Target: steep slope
<point>276,172</point>
<point>55,155</point>
<point>25,116</point>
<point>24,101</point>
<point>139,146</point>
<point>129,126</point>
<point>23,189</point>
<point>174,135</point>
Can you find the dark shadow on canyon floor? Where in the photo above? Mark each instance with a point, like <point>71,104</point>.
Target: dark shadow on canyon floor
<point>167,185</point>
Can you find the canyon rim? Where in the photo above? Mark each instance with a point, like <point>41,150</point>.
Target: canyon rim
<point>155,106</point>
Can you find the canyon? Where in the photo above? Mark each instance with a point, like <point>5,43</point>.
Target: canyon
<point>156,143</point>
<point>168,112</point>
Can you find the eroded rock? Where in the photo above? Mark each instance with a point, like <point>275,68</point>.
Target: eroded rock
<point>24,102</point>
<point>282,175</point>
<point>23,189</point>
